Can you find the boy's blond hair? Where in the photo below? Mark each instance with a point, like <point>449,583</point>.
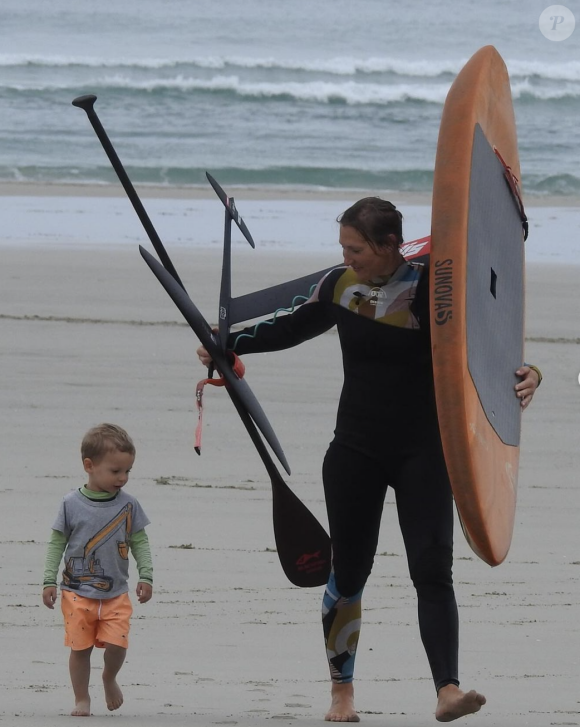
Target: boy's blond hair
<point>105,438</point>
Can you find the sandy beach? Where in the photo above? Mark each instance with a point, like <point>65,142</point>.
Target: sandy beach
<point>88,335</point>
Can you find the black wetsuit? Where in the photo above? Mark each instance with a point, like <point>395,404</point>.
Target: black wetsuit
<point>386,435</point>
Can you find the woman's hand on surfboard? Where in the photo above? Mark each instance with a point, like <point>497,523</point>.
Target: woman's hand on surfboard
<point>526,388</point>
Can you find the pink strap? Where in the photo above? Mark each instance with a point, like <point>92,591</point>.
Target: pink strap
<point>239,370</point>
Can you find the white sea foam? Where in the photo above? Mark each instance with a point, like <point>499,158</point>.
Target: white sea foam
<point>349,92</point>
<point>340,65</point>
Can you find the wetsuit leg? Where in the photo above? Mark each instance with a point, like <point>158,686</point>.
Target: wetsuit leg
<point>425,509</point>
<point>354,488</point>
<point>355,492</point>
<point>341,618</point>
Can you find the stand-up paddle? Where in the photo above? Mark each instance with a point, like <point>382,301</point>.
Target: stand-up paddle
<point>303,545</point>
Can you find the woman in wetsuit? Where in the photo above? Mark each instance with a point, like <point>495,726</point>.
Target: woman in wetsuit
<point>379,303</point>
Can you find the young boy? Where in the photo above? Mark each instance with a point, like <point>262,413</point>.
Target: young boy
<point>97,525</point>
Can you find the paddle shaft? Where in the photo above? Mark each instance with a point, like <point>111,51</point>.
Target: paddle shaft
<point>87,104</point>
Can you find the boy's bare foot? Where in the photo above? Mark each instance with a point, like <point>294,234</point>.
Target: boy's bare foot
<point>113,694</point>
<point>342,705</point>
<point>82,708</point>
<point>452,703</point>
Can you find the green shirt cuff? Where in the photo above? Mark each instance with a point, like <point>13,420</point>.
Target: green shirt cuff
<point>139,544</point>
<point>54,552</point>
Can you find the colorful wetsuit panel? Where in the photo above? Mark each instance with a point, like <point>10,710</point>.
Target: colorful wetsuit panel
<point>341,619</point>
<point>386,300</point>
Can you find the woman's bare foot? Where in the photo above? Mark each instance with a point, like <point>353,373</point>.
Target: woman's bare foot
<point>452,703</point>
<point>342,705</point>
<point>113,694</point>
<point>82,708</point>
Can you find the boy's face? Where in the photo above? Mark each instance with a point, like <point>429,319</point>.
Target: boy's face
<point>110,473</point>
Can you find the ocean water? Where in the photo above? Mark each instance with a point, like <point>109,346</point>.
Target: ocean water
<point>326,94</point>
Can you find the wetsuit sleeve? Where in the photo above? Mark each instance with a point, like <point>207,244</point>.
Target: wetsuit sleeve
<point>308,321</point>
<point>139,544</point>
<point>54,552</point>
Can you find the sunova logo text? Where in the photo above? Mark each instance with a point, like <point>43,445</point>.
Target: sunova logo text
<point>443,291</point>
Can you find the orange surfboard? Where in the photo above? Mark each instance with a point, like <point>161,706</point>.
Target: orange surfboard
<point>477,300</point>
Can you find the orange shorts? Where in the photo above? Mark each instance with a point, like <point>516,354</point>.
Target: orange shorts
<point>95,622</point>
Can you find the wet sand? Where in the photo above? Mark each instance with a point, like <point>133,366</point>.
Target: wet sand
<point>88,335</point>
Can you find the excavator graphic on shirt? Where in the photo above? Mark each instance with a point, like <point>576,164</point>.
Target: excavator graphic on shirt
<point>86,570</point>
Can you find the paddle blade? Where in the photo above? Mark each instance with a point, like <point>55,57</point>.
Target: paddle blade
<point>303,544</point>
